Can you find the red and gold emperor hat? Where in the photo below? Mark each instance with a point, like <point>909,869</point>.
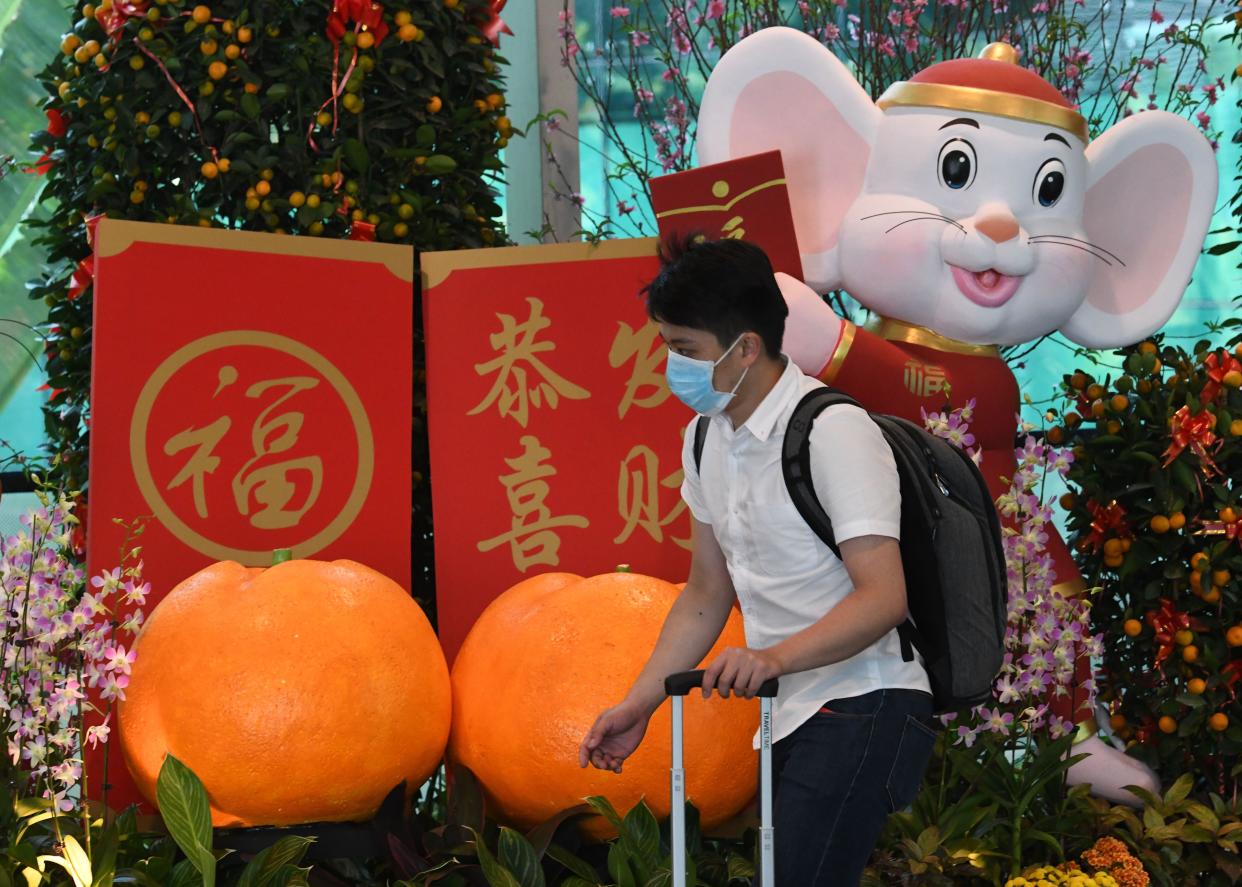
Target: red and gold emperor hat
<point>994,83</point>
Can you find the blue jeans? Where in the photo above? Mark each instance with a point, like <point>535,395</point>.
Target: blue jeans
<point>837,778</point>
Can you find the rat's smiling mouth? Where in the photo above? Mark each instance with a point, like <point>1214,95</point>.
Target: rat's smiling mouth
<point>989,288</point>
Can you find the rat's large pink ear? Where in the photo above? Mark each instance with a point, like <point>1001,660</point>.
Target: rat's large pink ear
<point>1151,189</point>
<point>781,89</point>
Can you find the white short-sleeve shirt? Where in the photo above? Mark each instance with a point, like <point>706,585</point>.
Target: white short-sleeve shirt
<point>786,578</point>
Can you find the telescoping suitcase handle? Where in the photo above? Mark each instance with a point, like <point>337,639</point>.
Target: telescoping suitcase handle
<point>684,681</point>
<point>677,686</point>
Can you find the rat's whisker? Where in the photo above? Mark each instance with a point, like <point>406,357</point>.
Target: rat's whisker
<point>900,212</point>
<point>928,218</point>
<point>1094,246</point>
<point>1084,249</point>
<point>921,212</point>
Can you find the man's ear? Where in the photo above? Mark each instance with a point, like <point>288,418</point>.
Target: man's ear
<point>782,89</point>
<point>753,347</point>
<point>1150,197</point>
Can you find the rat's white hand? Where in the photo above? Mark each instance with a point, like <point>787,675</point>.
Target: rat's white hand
<point>812,328</point>
<point>1108,770</point>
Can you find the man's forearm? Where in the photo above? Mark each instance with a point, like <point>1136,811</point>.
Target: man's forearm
<point>690,629</point>
<point>861,619</point>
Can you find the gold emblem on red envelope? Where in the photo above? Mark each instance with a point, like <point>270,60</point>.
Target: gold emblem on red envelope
<point>746,198</point>
<point>227,441</point>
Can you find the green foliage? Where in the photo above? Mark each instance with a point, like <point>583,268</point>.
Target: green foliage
<point>641,855</point>
<point>45,846</point>
<point>183,804</point>
<point>413,149</point>
<point>1169,553</point>
<point>985,811</point>
<point>469,845</point>
<point>982,816</point>
<point>1180,840</point>
<point>985,814</point>
<point>27,29</point>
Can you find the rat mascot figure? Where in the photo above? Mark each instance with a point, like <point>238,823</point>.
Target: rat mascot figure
<point>966,209</point>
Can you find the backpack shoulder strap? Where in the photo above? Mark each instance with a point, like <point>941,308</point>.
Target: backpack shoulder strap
<point>700,438</point>
<point>796,466</point>
<point>796,461</point>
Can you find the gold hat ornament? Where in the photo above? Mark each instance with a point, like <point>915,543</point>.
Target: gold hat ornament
<point>994,83</point>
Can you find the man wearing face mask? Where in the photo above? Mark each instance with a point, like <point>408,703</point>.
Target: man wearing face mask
<point>852,726</point>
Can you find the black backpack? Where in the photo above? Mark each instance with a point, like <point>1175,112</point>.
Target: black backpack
<point>951,550</point>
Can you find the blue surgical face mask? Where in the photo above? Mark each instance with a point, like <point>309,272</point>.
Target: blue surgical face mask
<point>691,381</point>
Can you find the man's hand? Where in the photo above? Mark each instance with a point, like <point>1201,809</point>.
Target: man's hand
<point>741,670</point>
<point>613,737</point>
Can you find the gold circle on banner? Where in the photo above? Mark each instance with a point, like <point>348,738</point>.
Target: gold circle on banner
<point>258,339</point>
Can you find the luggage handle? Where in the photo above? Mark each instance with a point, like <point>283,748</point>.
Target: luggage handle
<point>683,682</point>
<point>676,686</point>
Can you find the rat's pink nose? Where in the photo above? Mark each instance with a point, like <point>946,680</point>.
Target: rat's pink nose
<point>998,228</point>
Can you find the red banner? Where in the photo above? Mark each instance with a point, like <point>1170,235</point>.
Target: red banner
<point>746,198</point>
<point>249,392</point>
<point>555,443</point>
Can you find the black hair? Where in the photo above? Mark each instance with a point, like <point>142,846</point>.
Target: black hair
<point>724,287</point>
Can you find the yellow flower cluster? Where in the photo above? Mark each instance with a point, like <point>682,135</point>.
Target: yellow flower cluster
<point>1115,865</point>
<point>1065,875</point>
<point>1114,857</point>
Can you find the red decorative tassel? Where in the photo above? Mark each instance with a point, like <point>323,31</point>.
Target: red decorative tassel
<point>362,231</point>
<point>493,27</point>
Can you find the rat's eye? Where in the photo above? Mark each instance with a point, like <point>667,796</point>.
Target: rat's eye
<point>1049,183</point>
<point>956,166</point>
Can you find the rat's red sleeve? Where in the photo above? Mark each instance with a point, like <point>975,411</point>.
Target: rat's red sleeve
<point>882,375</point>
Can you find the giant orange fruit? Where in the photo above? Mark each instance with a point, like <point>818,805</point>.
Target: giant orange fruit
<point>300,693</point>
<point>544,659</point>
